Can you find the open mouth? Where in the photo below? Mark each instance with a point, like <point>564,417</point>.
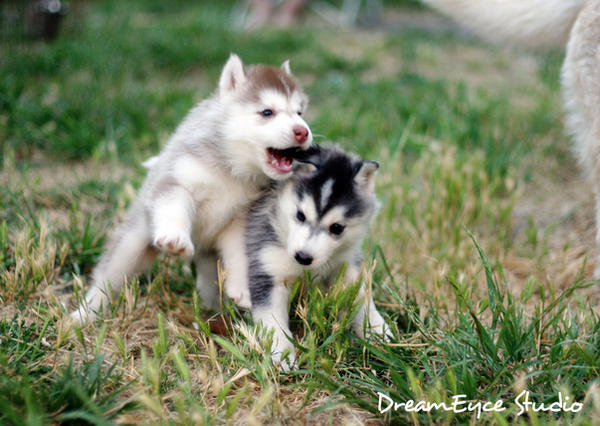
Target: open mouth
<point>281,159</point>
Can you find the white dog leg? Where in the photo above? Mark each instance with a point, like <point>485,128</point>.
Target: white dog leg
<point>172,214</point>
<point>274,316</point>
<point>368,321</point>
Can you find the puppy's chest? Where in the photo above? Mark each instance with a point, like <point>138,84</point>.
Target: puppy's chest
<point>216,210</point>
<point>217,195</point>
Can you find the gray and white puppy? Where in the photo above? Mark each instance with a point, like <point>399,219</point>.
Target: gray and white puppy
<point>221,158</point>
<point>315,221</point>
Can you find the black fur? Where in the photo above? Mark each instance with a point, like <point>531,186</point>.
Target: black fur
<point>331,164</point>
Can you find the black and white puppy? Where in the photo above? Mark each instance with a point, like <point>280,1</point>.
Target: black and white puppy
<point>315,221</point>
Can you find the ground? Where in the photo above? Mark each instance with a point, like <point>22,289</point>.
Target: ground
<point>481,257</point>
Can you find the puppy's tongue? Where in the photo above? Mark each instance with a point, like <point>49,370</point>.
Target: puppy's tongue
<point>278,160</point>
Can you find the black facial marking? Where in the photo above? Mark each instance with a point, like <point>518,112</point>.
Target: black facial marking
<point>338,167</point>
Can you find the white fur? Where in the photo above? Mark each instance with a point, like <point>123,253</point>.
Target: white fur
<point>232,247</point>
<point>232,76</point>
<point>581,95</point>
<point>172,222</point>
<point>326,191</point>
<point>534,23</point>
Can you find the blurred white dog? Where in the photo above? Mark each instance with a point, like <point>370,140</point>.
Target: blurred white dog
<point>546,23</point>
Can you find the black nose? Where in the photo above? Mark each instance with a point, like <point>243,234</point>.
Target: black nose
<point>303,258</point>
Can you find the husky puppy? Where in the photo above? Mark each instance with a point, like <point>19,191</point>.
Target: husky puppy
<point>315,221</point>
<point>221,157</point>
<point>550,23</point>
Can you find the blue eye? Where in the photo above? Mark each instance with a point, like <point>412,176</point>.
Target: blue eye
<point>300,216</point>
<point>266,112</point>
<point>336,229</point>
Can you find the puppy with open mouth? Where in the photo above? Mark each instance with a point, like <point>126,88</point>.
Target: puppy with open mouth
<point>222,157</point>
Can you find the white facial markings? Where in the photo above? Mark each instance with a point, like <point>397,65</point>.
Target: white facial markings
<point>312,236</point>
<point>273,99</point>
<point>326,191</point>
<point>308,207</point>
<point>334,215</point>
<point>298,102</point>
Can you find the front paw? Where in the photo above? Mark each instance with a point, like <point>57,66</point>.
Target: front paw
<point>239,296</point>
<point>283,354</point>
<point>383,331</point>
<point>375,329</point>
<point>174,243</point>
<point>82,315</point>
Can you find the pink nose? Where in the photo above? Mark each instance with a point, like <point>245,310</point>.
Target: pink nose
<point>300,133</point>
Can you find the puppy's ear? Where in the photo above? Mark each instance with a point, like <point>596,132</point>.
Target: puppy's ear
<point>285,67</point>
<point>233,74</point>
<point>365,175</point>
<point>310,155</point>
<point>303,168</point>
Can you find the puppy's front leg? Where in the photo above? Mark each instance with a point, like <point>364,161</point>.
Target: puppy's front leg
<point>375,324</point>
<point>172,213</point>
<point>272,313</point>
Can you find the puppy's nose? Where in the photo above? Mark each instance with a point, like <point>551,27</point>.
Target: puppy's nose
<point>300,133</point>
<point>303,258</point>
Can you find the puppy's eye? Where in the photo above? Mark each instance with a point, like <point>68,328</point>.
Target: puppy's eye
<point>266,112</point>
<point>299,112</point>
<point>300,216</point>
<point>336,229</point>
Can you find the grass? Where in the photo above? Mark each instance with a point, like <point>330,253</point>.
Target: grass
<point>481,257</point>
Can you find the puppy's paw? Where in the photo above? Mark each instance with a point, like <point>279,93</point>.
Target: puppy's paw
<point>82,315</point>
<point>239,295</point>
<point>375,329</point>
<point>174,243</point>
<point>283,355</point>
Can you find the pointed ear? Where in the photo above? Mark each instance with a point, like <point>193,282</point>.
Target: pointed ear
<point>365,175</point>
<point>286,67</point>
<point>233,74</point>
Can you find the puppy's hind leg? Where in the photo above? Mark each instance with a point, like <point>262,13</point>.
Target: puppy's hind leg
<point>127,252</point>
<point>206,277</point>
<point>232,248</point>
